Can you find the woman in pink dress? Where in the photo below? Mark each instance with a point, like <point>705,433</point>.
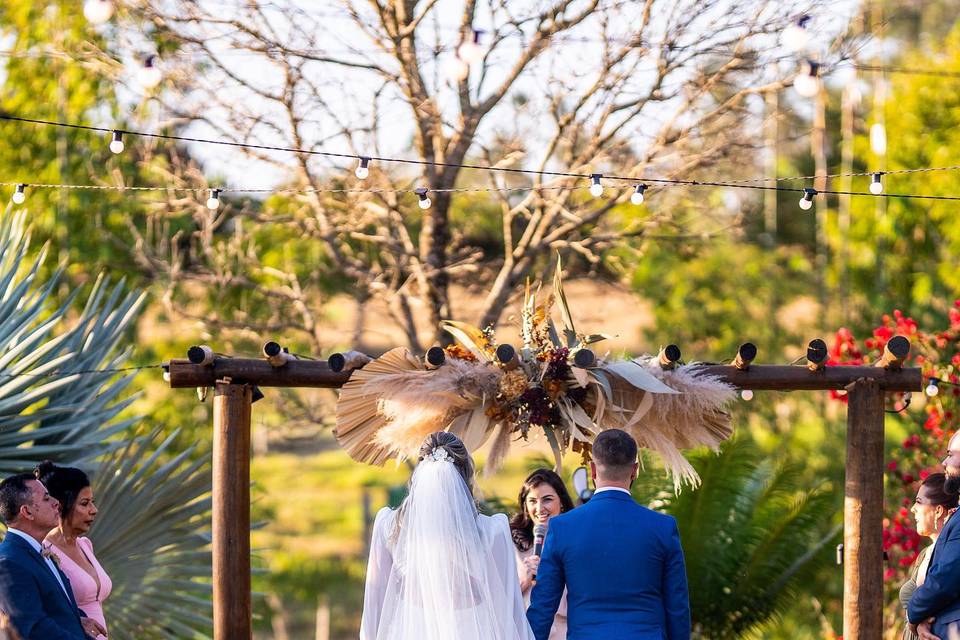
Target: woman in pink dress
<point>91,584</point>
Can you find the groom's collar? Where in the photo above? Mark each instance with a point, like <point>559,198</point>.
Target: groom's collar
<point>603,489</point>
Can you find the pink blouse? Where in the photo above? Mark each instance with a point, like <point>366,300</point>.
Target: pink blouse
<point>89,596</point>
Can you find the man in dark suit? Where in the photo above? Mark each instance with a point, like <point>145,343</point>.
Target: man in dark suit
<point>33,591</point>
<point>938,598</point>
<point>621,563</point>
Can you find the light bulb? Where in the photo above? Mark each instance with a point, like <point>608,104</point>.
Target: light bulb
<point>878,138</point>
<point>596,189</point>
<point>807,200</point>
<point>20,194</point>
<point>747,395</point>
<point>363,168</point>
<point>213,202</point>
<point>149,75</point>
<point>637,197</point>
<point>98,11</point>
<point>876,187</point>
<point>424,202</point>
<point>457,68</point>
<point>796,36</point>
<point>807,84</point>
<point>116,144</point>
<point>932,388</point>
<point>469,50</point>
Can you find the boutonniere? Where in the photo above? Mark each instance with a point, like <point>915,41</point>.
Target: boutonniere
<point>50,555</point>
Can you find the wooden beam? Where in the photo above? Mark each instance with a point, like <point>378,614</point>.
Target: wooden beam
<point>232,609</point>
<point>758,377</point>
<point>863,513</point>
<point>297,373</point>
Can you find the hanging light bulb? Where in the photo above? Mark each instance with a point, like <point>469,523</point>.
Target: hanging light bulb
<point>932,388</point>
<point>637,197</point>
<point>807,200</point>
<point>116,144</point>
<point>213,202</point>
<point>98,11</point>
<point>20,194</point>
<point>458,68</point>
<point>363,168</point>
<point>796,36</point>
<point>424,202</point>
<point>596,189</point>
<point>747,395</point>
<point>807,82</point>
<point>149,74</point>
<point>878,139</point>
<point>876,187</point>
<point>469,50</point>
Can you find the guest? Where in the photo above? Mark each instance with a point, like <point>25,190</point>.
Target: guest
<point>71,488</point>
<point>934,608</point>
<point>33,591</point>
<point>931,509</point>
<point>542,496</point>
<point>7,632</point>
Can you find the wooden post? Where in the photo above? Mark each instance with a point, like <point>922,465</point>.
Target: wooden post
<point>232,609</point>
<point>863,513</point>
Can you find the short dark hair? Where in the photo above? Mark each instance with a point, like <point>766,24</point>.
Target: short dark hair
<point>934,484</point>
<point>615,450</point>
<point>521,526</point>
<point>64,484</point>
<point>14,493</point>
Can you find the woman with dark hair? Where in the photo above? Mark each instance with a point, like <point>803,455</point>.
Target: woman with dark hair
<point>70,547</point>
<point>439,569</point>
<point>931,509</point>
<point>542,496</point>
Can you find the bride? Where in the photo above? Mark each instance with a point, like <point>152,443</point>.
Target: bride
<point>438,569</point>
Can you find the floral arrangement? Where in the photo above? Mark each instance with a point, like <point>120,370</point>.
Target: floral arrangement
<point>552,385</point>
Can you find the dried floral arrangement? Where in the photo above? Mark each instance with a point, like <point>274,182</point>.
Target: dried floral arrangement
<point>553,385</point>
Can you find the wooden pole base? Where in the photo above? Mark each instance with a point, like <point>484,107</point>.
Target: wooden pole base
<point>232,608</point>
<point>863,514</point>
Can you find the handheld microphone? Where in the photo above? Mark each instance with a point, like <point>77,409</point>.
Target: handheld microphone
<point>539,533</point>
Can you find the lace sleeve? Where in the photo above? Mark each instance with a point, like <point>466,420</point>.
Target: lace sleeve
<point>379,568</point>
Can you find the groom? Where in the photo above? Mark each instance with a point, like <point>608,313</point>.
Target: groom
<point>621,563</point>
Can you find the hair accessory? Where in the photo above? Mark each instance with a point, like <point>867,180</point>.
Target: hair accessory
<point>440,455</point>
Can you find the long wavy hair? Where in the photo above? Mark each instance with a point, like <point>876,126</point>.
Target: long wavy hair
<point>521,525</point>
<point>461,460</point>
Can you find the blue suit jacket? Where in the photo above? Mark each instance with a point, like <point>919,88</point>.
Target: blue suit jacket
<point>32,597</point>
<point>939,595</point>
<point>623,568</point>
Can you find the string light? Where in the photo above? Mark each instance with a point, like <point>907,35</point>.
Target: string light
<point>596,189</point>
<point>469,50</point>
<point>363,168</point>
<point>637,197</point>
<point>116,144</point>
<point>807,82</point>
<point>98,11</point>
<point>932,388</point>
<point>19,195</point>
<point>424,200</point>
<point>796,36</point>
<point>747,395</point>
<point>149,74</point>
<point>876,187</point>
<point>213,202</point>
<point>807,200</point>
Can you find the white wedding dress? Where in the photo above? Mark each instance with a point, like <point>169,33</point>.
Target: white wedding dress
<point>447,573</point>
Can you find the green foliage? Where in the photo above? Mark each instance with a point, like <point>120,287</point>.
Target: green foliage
<point>752,535</point>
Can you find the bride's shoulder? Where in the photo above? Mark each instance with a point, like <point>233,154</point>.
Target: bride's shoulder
<point>497,522</point>
<point>384,517</point>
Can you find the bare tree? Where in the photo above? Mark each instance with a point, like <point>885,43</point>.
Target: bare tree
<point>633,89</point>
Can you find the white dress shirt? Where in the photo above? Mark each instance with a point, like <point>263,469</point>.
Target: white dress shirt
<point>39,549</point>
<point>602,489</point>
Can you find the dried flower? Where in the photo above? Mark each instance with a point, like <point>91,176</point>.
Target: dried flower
<point>513,384</point>
<point>459,352</point>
